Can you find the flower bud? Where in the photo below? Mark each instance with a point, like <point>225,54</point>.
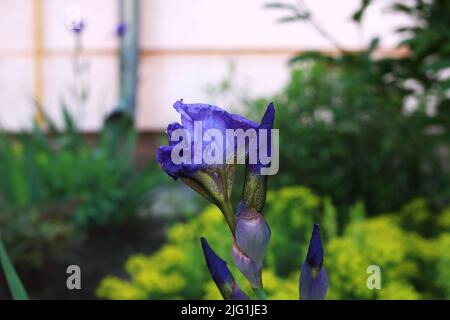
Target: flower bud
<point>254,195</point>
<point>313,278</point>
<point>221,274</point>
<point>255,184</point>
<point>248,267</point>
<point>252,237</point>
<point>252,233</point>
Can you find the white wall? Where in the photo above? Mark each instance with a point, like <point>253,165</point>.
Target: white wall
<point>187,45</point>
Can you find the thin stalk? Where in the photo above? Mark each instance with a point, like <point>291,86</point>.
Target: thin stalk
<point>226,206</point>
<point>319,28</point>
<point>228,213</point>
<point>260,293</point>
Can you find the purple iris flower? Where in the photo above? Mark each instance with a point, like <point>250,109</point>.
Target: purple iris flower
<point>221,274</point>
<point>313,278</point>
<point>203,151</point>
<point>200,122</point>
<point>211,117</point>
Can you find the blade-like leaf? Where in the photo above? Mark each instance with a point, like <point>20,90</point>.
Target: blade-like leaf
<point>15,285</point>
<point>279,5</point>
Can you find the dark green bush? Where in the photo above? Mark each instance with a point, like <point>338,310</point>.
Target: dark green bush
<point>55,187</point>
<point>355,127</point>
<point>412,266</point>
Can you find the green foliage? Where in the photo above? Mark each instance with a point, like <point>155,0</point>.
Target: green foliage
<point>354,142</point>
<point>412,266</point>
<point>15,285</point>
<point>442,268</point>
<point>55,186</point>
<point>178,270</point>
<point>359,127</point>
<point>291,212</point>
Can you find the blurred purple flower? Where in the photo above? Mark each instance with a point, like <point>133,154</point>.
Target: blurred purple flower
<point>221,274</point>
<point>313,278</point>
<point>78,26</point>
<point>121,29</point>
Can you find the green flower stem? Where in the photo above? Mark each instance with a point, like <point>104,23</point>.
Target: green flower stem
<point>229,215</point>
<point>226,206</point>
<point>260,293</point>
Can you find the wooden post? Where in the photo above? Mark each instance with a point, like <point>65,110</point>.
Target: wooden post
<point>38,79</point>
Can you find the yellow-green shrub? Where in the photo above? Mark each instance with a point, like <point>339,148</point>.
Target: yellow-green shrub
<point>412,266</point>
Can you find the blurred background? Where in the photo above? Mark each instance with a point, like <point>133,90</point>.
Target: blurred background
<point>361,89</point>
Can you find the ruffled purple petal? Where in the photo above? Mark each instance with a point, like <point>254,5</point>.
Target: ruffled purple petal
<point>163,156</point>
<point>170,129</point>
<point>212,117</point>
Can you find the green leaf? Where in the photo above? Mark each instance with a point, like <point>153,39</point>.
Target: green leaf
<point>293,18</point>
<point>279,5</point>
<point>15,285</point>
<point>373,45</point>
<point>436,65</point>
<point>14,179</point>
<point>358,15</point>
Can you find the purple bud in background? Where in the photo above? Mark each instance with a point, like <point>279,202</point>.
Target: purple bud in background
<point>252,238</point>
<point>78,26</point>
<point>121,29</point>
<point>313,278</point>
<point>221,274</point>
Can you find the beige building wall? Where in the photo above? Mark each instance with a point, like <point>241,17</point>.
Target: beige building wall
<point>187,46</point>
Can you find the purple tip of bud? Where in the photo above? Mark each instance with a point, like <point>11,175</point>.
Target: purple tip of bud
<point>268,117</point>
<point>121,29</point>
<point>313,277</point>
<point>221,274</point>
<point>266,123</point>
<point>78,26</point>
<point>252,234</point>
<point>313,287</point>
<point>217,267</point>
<point>315,250</point>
